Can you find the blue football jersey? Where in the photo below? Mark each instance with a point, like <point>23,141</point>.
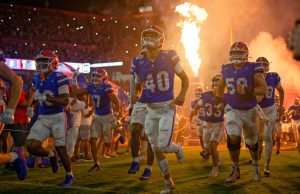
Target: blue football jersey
<point>272,80</point>
<point>212,114</point>
<point>295,112</point>
<point>201,113</point>
<point>157,76</point>
<point>51,86</point>
<point>244,75</point>
<point>100,97</point>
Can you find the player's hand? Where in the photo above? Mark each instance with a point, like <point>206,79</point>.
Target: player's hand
<point>221,106</point>
<point>240,88</point>
<point>39,97</point>
<point>179,100</point>
<point>8,116</point>
<point>30,112</point>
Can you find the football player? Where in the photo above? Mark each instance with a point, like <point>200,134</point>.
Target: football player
<point>199,120</point>
<point>154,72</point>
<point>103,95</point>
<point>277,131</point>
<point>213,123</point>
<point>51,91</point>
<point>7,116</point>
<point>244,81</point>
<point>137,121</point>
<point>294,110</point>
<point>268,106</point>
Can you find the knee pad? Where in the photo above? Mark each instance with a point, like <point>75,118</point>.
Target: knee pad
<point>233,146</point>
<point>252,148</point>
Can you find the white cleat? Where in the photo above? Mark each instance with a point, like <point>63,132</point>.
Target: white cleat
<point>179,154</point>
<point>168,187</point>
<point>256,173</point>
<point>214,172</point>
<point>235,174</point>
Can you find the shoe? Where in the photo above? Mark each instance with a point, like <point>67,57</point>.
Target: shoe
<point>113,154</point>
<point>96,167</point>
<point>146,174</point>
<point>179,154</point>
<point>20,164</point>
<point>214,172</point>
<point>235,174</point>
<point>30,162</point>
<point>54,163</point>
<point>135,166</point>
<point>168,187</point>
<point>203,154</point>
<point>278,152</point>
<point>68,181</point>
<point>266,172</point>
<point>45,162</point>
<point>73,160</point>
<point>9,167</point>
<point>256,173</point>
<point>106,156</point>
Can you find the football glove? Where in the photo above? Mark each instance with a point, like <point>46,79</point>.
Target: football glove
<point>39,97</point>
<point>30,112</point>
<point>8,116</point>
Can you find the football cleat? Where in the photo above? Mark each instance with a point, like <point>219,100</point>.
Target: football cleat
<point>256,173</point>
<point>20,164</point>
<point>266,172</point>
<point>179,154</point>
<point>204,155</point>
<point>96,167</point>
<point>54,163</point>
<point>68,181</point>
<point>30,162</point>
<point>168,187</point>
<point>235,174</point>
<point>278,152</point>
<point>146,174</point>
<point>214,172</point>
<point>135,166</point>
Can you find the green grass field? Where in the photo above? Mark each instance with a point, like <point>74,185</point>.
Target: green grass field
<point>190,177</point>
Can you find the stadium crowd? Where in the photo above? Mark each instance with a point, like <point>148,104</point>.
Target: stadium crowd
<point>102,38</point>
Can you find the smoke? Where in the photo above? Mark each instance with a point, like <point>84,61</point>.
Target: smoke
<point>275,50</point>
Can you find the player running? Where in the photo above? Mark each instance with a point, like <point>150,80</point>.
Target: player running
<point>199,121</point>
<point>213,123</point>
<point>103,96</point>
<point>244,81</point>
<point>52,93</point>
<point>294,110</point>
<point>7,116</point>
<point>278,125</point>
<point>268,106</point>
<point>154,72</point>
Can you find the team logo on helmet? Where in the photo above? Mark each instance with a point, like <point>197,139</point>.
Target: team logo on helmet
<point>46,61</point>
<point>99,76</point>
<point>238,53</point>
<point>152,37</point>
<point>264,62</point>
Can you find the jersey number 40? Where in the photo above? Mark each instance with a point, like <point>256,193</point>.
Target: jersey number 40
<point>163,82</point>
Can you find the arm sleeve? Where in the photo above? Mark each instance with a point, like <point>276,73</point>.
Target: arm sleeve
<point>62,83</point>
<point>134,71</point>
<point>175,61</point>
<point>109,89</point>
<point>277,80</point>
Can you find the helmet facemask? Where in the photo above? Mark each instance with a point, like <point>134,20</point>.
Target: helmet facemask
<point>238,56</point>
<point>43,64</point>
<point>97,79</point>
<point>151,39</point>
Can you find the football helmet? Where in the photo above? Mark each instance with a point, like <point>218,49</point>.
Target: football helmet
<point>215,81</point>
<point>46,61</point>
<point>297,101</point>
<point>99,76</point>
<point>152,37</point>
<point>238,53</point>
<point>198,92</point>
<point>264,62</point>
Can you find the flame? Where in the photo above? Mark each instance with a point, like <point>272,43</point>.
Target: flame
<point>190,37</point>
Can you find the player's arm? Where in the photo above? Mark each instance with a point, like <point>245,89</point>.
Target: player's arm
<point>196,109</point>
<point>15,82</point>
<point>260,86</point>
<point>220,93</point>
<point>114,99</point>
<point>179,100</point>
<point>280,90</point>
<point>62,98</point>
